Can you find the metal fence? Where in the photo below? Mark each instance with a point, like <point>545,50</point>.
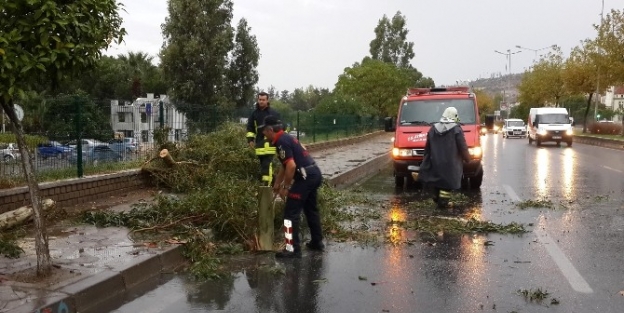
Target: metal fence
<point>76,136</point>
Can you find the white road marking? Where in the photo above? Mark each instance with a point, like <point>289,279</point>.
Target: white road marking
<point>568,270</point>
<point>512,194</point>
<point>612,169</point>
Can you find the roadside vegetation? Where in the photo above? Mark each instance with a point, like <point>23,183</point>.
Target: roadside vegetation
<point>574,81</point>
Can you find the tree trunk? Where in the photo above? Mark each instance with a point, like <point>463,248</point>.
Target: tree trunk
<point>587,112</point>
<point>44,263</point>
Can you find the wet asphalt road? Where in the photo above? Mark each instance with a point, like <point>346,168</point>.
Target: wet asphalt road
<point>574,251</point>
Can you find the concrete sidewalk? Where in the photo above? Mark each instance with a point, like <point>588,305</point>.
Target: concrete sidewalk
<point>97,268</point>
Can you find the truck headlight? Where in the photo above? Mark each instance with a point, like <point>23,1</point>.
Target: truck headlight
<point>569,132</point>
<point>542,132</point>
<point>396,152</point>
<point>475,152</point>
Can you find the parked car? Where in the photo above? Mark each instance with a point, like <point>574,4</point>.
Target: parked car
<point>124,146</point>
<point>96,155</point>
<point>9,152</point>
<point>294,133</point>
<point>86,144</point>
<point>53,149</point>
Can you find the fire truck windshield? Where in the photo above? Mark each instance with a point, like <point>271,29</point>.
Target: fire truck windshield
<point>418,112</point>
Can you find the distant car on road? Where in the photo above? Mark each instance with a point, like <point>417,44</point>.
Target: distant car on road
<point>10,152</point>
<point>96,155</point>
<point>53,149</point>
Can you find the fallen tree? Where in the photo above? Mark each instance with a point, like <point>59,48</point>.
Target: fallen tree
<point>21,215</point>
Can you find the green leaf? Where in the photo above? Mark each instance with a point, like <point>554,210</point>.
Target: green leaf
<point>25,69</point>
<point>40,66</point>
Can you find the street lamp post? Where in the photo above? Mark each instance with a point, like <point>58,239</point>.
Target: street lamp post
<point>597,101</point>
<point>508,55</point>
<point>535,50</point>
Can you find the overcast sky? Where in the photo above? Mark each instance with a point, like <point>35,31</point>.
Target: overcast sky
<point>310,42</point>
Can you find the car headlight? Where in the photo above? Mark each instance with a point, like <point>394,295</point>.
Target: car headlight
<point>569,132</point>
<point>475,152</point>
<point>495,128</point>
<point>401,152</point>
<point>483,130</point>
<point>392,139</point>
<point>542,132</point>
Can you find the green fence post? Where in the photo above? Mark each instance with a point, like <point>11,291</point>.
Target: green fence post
<point>298,126</point>
<point>313,127</point>
<point>161,114</point>
<point>80,170</point>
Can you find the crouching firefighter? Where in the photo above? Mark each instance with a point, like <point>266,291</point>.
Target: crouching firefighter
<point>297,181</point>
<point>265,151</point>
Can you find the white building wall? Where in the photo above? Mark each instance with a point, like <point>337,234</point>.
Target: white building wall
<point>138,123</point>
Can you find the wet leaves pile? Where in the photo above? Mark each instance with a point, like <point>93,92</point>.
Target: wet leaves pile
<point>538,295</point>
<point>539,203</point>
<point>435,224</point>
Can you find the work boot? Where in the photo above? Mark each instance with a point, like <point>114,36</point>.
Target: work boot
<point>315,246</point>
<point>443,203</point>
<point>285,254</point>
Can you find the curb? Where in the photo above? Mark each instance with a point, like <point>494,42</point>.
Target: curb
<point>601,142</point>
<point>366,169</point>
<point>106,290</point>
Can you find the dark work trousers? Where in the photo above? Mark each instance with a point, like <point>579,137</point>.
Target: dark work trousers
<point>303,196</point>
<point>266,169</point>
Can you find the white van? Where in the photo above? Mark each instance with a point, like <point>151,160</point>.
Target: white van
<point>514,127</point>
<point>550,124</point>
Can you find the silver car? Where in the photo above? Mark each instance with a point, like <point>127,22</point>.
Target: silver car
<point>10,152</point>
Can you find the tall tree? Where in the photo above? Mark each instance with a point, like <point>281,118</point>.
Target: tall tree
<point>580,74</point>
<point>136,64</point>
<point>610,41</point>
<point>543,84</point>
<point>485,103</point>
<point>242,73</point>
<point>376,84</point>
<point>55,39</point>
<point>194,57</point>
<point>390,44</point>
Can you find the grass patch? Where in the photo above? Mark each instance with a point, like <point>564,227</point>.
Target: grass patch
<point>9,247</point>
<point>12,181</point>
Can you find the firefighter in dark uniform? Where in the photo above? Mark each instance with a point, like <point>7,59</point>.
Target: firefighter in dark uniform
<point>445,154</point>
<point>298,181</point>
<point>264,150</point>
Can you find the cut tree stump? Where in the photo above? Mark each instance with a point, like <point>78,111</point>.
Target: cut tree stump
<point>22,214</point>
<point>166,156</point>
